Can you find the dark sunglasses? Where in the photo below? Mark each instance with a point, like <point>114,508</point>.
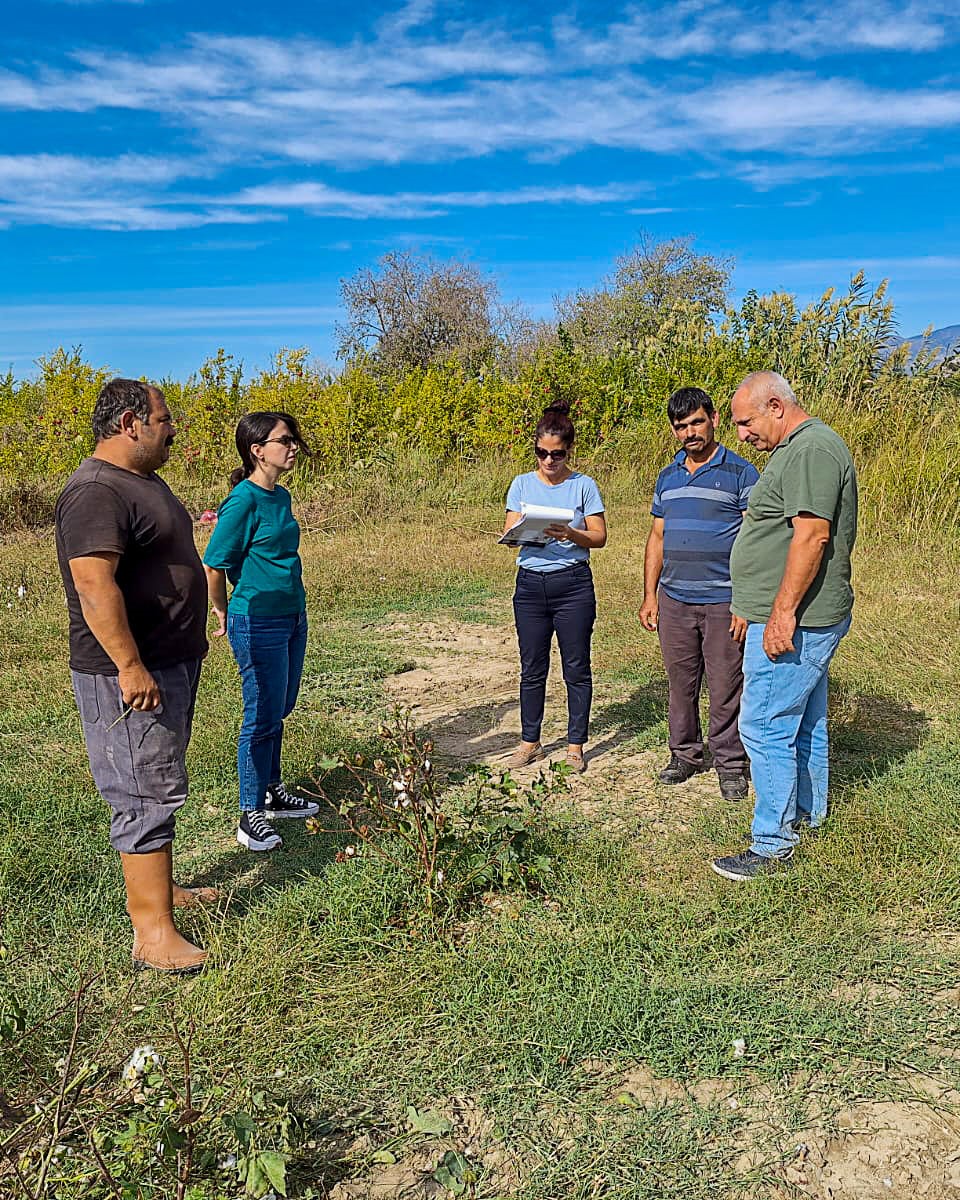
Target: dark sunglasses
<point>287,440</point>
<point>542,454</point>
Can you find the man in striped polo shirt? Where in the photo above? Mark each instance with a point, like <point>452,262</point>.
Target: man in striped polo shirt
<point>698,506</point>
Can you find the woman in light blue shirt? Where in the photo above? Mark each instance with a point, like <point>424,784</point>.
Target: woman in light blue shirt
<point>554,592</point>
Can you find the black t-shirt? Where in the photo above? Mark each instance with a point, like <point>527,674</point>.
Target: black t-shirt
<point>104,509</point>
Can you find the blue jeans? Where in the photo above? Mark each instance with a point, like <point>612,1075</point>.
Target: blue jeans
<point>783,725</point>
<point>269,652</point>
<point>561,602</point>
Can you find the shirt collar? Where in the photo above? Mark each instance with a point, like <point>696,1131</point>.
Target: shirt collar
<point>719,456</point>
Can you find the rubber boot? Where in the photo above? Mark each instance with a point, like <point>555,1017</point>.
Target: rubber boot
<point>156,942</point>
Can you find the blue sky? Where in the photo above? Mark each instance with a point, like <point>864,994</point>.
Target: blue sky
<point>176,177</point>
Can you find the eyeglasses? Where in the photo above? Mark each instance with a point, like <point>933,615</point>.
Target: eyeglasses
<point>542,454</point>
<point>287,440</point>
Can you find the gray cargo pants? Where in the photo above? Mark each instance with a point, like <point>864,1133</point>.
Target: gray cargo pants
<point>139,762</point>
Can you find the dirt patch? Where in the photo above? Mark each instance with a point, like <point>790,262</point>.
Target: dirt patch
<point>880,1149</point>
<point>463,692</point>
<point>470,1150</point>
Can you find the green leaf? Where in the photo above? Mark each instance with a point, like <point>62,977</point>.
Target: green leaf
<point>429,1121</point>
<point>274,1166</point>
<point>387,1157</point>
<point>256,1182</point>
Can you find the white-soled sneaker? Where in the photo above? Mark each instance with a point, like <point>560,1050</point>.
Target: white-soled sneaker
<point>256,833</point>
<point>281,804</point>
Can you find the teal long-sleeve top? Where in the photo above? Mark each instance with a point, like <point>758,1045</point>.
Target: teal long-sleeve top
<point>256,541</point>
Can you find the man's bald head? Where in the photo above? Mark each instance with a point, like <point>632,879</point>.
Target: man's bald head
<point>762,386</point>
<point>764,410</point>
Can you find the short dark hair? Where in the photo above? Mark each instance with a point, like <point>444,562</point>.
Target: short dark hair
<point>253,430</point>
<point>556,422</point>
<point>685,401</point>
<point>117,397</point>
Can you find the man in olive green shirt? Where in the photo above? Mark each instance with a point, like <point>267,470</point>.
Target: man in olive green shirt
<point>790,568</point>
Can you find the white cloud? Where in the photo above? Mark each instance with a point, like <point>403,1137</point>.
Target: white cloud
<point>665,80</point>
<point>122,193</point>
<point>320,199</point>
<point>127,193</point>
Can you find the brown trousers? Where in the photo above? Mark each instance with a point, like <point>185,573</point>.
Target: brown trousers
<point>695,641</point>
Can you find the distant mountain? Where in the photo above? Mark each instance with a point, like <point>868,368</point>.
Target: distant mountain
<point>940,340</point>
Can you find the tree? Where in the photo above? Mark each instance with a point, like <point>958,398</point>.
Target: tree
<point>648,285</point>
<point>413,312</point>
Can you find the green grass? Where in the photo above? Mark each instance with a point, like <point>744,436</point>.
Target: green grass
<point>834,974</point>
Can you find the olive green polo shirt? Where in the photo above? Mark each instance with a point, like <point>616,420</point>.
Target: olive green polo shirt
<point>811,471</point>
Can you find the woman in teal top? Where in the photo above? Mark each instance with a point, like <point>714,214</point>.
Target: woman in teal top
<point>255,545</point>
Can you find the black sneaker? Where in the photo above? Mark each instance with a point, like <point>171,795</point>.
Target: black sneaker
<point>679,770</point>
<point>256,833</point>
<point>280,804</point>
<point>733,785</point>
<point>747,865</point>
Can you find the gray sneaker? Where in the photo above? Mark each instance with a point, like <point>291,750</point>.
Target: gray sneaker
<point>747,865</point>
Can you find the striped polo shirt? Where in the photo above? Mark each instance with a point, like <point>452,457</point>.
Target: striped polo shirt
<point>701,517</point>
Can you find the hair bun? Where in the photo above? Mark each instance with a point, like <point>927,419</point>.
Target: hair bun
<point>558,406</point>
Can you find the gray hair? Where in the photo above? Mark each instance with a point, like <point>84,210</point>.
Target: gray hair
<point>117,397</point>
<point>764,385</point>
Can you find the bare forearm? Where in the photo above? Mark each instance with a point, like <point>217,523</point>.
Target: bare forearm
<point>803,563</point>
<point>588,539</point>
<point>652,565</point>
<point>216,588</point>
<point>105,613</point>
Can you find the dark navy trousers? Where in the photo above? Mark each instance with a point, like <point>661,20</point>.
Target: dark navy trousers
<point>561,602</point>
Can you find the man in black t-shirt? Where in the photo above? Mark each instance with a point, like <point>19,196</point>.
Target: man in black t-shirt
<point>136,596</point>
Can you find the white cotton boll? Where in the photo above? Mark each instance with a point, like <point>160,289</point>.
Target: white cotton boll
<point>21,592</point>
<point>143,1059</point>
<point>739,1047</point>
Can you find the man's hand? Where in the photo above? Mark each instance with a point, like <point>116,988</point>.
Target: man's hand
<point>139,688</point>
<point>738,629</point>
<point>778,635</point>
<point>221,615</point>
<point>649,613</point>
<point>560,532</point>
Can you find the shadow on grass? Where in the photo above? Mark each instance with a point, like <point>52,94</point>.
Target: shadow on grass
<point>624,720</point>
<point>241,873</point>
<point>473,736</point>
<point>870,734</point>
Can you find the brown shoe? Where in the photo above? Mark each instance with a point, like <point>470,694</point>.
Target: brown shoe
<point>576,762</point>
<point>524,756</point>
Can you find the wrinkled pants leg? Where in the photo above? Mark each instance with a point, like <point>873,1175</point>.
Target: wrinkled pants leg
<point>534,634</point>
<point>776,698</point>
<point>296,653</point>
<point>573,607</point>
<point>723,663</point>
<point>260,646</point>
<point>681,644</point>
<point>138,759</point>
<point>813,763</point>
